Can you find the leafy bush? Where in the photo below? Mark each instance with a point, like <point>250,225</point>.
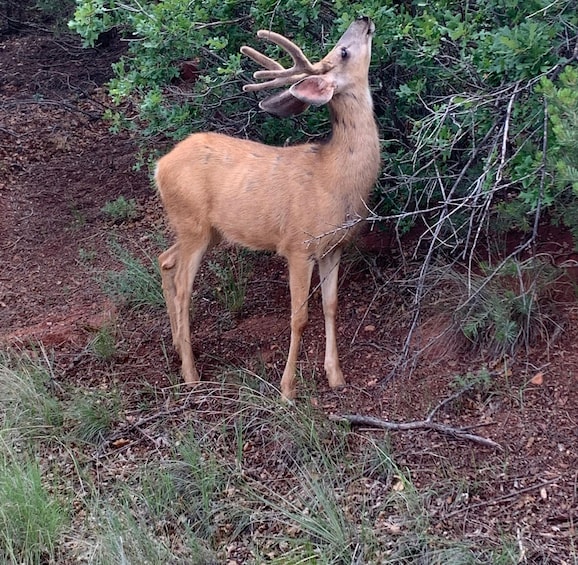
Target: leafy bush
<point>477,103</point>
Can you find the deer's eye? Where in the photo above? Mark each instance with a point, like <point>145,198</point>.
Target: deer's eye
<point>344,53</point>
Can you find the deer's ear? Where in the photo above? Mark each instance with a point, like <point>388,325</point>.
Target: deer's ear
<point>313,90</point>
<point>283,105</point>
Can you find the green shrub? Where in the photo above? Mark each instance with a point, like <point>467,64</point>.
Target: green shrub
<point>121,209</point>
<point>476,102</point>
<point>509,306</point>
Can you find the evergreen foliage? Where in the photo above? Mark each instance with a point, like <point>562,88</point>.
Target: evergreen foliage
<point>476,101</point>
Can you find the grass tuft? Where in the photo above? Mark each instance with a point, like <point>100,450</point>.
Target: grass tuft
<point>31,519</point>
<point>232,272</point>
<point>103,344</point>
<point>27,408</point>
<point>95,415</point>
<point>137,284</point>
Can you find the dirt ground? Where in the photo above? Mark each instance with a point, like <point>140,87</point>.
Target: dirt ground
<point>59,165</point>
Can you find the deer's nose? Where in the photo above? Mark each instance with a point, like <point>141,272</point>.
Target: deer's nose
<point>367,21</point>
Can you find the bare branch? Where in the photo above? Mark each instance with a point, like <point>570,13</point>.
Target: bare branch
<point>371,421</point>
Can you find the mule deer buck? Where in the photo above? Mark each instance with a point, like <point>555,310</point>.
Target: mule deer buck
<point>293,200</point>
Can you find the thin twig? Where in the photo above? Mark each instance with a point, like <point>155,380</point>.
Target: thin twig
<point>427,424</point>
<point>447,400</point>
<point>500,499</point>
<point>60,103</point>
<point>127,428</point>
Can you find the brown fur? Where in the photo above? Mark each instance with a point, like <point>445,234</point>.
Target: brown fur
<point>292,200</point>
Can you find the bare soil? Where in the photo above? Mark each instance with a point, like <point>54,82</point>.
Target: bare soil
<point>59,166</point>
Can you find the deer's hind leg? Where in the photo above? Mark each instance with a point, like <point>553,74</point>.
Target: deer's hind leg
<point>300,271</point>
<point>167,261</point>
<point>179,266</point>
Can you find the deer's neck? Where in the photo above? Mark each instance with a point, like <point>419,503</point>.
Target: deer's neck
<point>354,143</point>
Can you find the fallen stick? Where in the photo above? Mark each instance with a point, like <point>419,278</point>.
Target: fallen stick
<point>428,424</point>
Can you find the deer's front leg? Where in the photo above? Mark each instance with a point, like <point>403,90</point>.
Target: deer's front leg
<point>329,275</point>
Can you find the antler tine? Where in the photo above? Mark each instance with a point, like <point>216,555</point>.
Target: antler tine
<point>276,73</point>
<point>261,59</point>
<point>302,63</point>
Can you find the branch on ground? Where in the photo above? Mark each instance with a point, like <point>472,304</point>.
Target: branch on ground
<point>427,424</point>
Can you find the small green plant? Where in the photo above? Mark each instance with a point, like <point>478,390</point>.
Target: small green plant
<point>86,256</point>
<point>136,284</point>
<point>78,219</point>
<point>482,379</point>
<point>103,345</point>
<point>121,209</point>
<point>232,274</point>
<point>94,415</point>
<point>508,307</point>
<point>479,385</point>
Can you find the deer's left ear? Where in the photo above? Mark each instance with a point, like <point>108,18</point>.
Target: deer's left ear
<point>313,90</point>
<point>283,105</point>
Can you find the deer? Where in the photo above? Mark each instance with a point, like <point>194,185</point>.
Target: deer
<point>296,200</point>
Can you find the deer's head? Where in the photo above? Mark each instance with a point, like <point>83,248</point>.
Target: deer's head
<point>343,70</point>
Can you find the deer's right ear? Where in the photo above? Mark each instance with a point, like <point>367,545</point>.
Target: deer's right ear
<point>283,105</point>
<point>313,90</point>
